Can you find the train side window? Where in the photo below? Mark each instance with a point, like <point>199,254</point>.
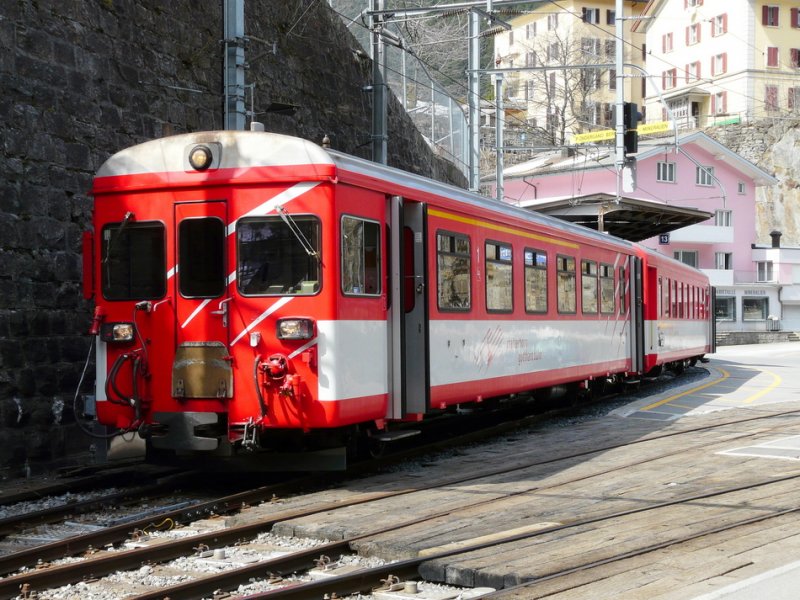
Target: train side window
<point>607,297</point>
<point>133,261</point>
<point>361,257</point>
<point>674,299</point>
<point>588,286</point>
<point>201,258</point>
<point>665,288</point>
<point>621,283</point>
<point>277,257</point>
<point>567,290</point>
<point>535,281</point>
<point>499,279</point>
<point>453,272</point>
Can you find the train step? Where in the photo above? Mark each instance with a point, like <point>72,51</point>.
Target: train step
<point>393,436</point>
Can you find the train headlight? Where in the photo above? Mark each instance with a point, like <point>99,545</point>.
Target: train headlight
<point>295,329</point>
<point>200,158</point>
<point>117,332</point>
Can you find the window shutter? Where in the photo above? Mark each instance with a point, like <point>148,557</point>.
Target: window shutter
<point>725,62</point>
<point>583,14</point>
<point>724,102</point>
<point>764,14</point>
<point>713,105</point>
<point>688,78</point>
<point>713,65</point>
<point>687,36</point>
<point>699,32</point>
<point>795,21</point>
<point>725,23</point>
<point>664,43</point>
<point>790,99</point>
<point>795,54</point>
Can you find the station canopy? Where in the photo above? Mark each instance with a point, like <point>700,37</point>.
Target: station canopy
<point>629,218</point>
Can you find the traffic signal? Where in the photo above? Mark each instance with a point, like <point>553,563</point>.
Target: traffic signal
<point>630,121</point>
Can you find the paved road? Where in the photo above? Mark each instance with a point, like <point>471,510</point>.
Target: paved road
<point>740,377</point>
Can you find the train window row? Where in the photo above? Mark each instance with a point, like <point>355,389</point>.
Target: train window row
<point>681,300</point>
<point>600,290</point>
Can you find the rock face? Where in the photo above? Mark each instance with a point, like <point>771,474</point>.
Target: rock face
<point>773,146</point>
<point>82,79</point>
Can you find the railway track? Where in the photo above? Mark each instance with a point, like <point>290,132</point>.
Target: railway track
<point>102,563</point>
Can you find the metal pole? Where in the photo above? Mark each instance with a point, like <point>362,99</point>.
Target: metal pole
<point>234,92</point>
<point>499,122</point>
<point>619,161</point>
<point>474,101</point>
<point>379,118</point>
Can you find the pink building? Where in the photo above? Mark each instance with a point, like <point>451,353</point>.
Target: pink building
<point>701,176</point>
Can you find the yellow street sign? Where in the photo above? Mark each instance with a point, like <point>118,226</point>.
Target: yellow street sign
<point>657,127</point>
<point>594,136</point>
<point>609,134</point>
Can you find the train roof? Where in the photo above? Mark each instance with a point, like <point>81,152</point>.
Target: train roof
<point>164,161</point>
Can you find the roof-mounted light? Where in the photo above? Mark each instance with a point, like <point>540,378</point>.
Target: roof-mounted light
<point>200,158</point>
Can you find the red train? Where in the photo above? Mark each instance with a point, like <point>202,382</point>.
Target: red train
<point>257,292</point>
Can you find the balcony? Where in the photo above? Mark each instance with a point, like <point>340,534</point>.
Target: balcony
<point>702,234</point>
<point>719,277</point>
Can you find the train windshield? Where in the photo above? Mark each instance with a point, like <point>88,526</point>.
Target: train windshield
<point>278,255</point>
<point>133,261</point>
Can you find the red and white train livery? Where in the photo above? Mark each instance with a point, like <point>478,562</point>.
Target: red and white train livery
<point>257,291</point>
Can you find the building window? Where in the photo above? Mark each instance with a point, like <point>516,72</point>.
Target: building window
<point>704,175</point>
<point>794,17</point>
<point>530,31</point>
<point>453,276</point>
<point>723,218</point>
<point>511,37</point>
<point>552,21</point>
<point>612,79</point>
<point>566,284</point>
<point>725,309</point>
<point>693,34</point>
<point>724,260</point>
<point>666,43</point>
<point>794,58</point>
<point>552,52</point>
<point>764,271</point>
<point>719,64</point>
<point>535,281</point>
<point>611,17</point>
<point>669,79</point>
<point>740,187</point>
<point>719,103</point>
<point>665,172</point>
<point>530,59</point>
<point>770,16</point>
<point>719,25</point>
<point>793,99</point>
<point>687,257</point>
<point>499,290</point>
<point>771,98</point>
<point>591,15</point>
<point>693,71</point>
<point>755,309</point>
<point>772,56</point>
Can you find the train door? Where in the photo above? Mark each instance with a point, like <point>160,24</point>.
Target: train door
<point>637,315</point>
<point>202,367</point>
<point>409,370</point>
